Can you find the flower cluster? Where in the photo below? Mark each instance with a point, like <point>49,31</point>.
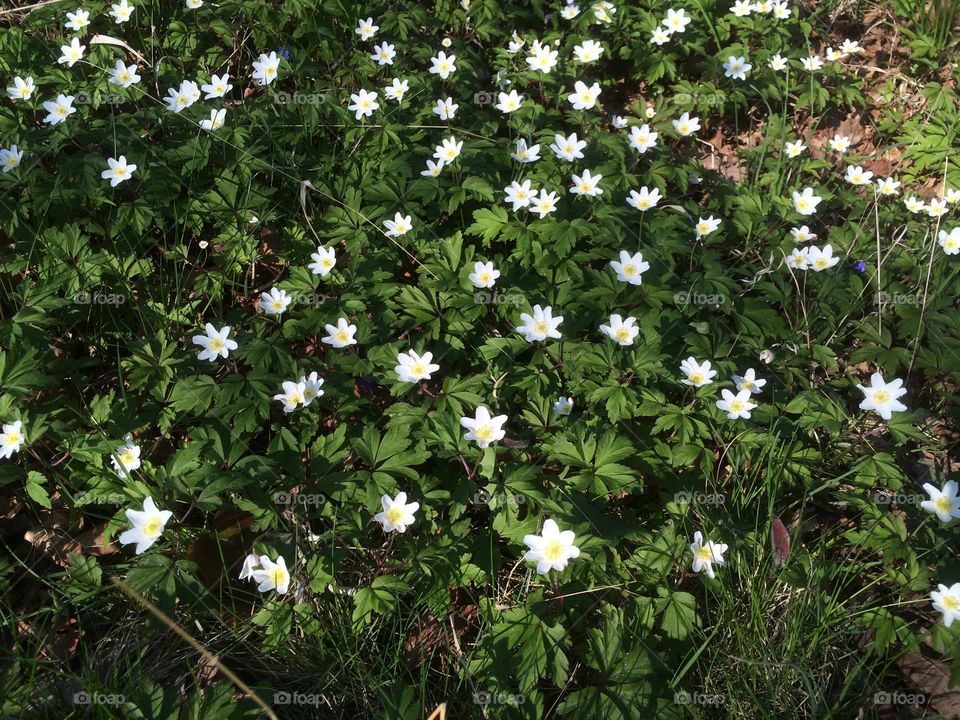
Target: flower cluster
<point>533,197</point>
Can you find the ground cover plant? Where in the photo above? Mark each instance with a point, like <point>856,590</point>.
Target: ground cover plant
<point>470,359</point>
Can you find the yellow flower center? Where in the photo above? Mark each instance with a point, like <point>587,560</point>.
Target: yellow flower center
<point>951,602</point>
<point>820,262</point>
<point>216,344</point>
<point>704,554</point>
<point>696,378</point>
<point>484,277</point>
<point>630,269</point>
<point>746,385</point>
<point>803,204</point>
<point>553,551</point>
<point>418,369</point>
<point>295,398</point>
<point>342,336</point>
<point>127,458</point>
<point>484,433</point>
<point>278,576</point>
<point>622,334</point>
<point>152,528</point>
<point>683,128</point>
<point>13,438</point>
<point>395,515</point>
<point>736,406</point>
<point>881,397</point>
<point>541,328</point>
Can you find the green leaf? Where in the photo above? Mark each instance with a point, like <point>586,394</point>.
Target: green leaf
<point>35,489</point>
<point>678,613</point>
<point>488,223</point>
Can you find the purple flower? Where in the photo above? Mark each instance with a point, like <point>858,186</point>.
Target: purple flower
<point>284,52</point>
<point>860,266</point>
<point>367,384</point>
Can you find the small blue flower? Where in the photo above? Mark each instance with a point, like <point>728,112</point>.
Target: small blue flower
<point>860,266</point>
<point>284,52</point>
